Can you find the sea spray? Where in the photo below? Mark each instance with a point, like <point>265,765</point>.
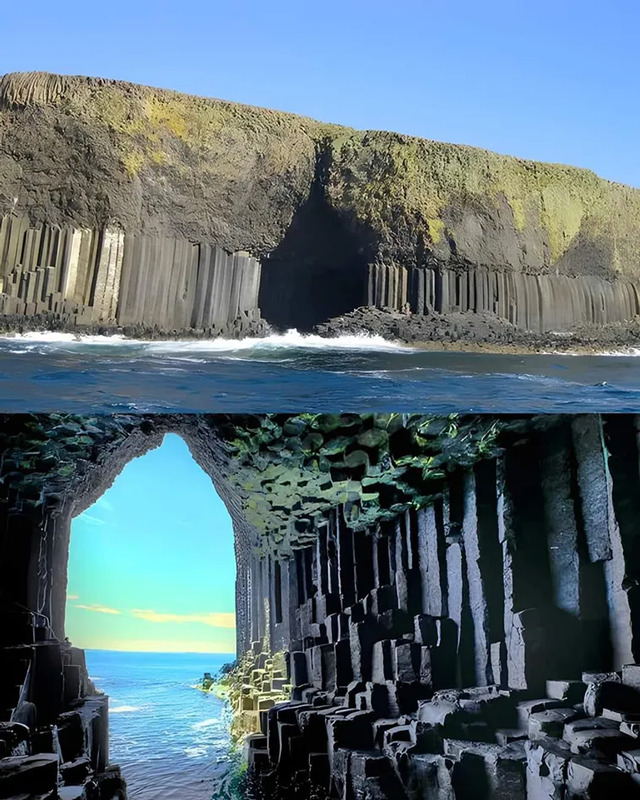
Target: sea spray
<point>291,340</point>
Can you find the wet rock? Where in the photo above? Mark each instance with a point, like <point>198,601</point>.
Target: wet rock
<point>550,722</point>
<point>526,708</point>
<point>546,772</point>
<point>631,676</point>
<point>73,772</point>
<point>371,776</point>
<point>28,775</point>
<point>612,695</point>
<point>596,734</point>
<point>593,780</point>
<point>569,691</point>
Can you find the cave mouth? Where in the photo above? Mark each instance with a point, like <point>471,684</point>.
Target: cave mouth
<point>151,600</point>
<point>318,271</point>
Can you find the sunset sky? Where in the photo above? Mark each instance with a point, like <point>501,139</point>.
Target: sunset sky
<point>151,564</point>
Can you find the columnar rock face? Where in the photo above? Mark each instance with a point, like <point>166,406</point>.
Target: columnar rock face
<point>478,647</point>
<point>538,303</point>
<point>102,276</point>
<point>130,192</point>
<point>456,628</point>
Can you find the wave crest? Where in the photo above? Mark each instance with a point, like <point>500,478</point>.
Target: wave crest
<point>291,340</point>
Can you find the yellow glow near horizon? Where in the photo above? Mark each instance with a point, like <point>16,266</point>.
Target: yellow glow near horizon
<point>97,632</point>
<point>152,562</point>
<point>158,646</point>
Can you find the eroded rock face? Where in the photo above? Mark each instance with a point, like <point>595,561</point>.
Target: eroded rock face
<point>475,626</point>
<point>211,210</point>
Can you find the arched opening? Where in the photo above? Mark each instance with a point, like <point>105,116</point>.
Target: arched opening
<point>151,598</point>
<point>318,271</point>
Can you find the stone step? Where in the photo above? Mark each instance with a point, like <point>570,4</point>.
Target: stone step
<point>75,771</point>
<point>29,775</point>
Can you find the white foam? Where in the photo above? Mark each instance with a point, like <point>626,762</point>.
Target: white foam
<point>206,723</point>
<point>58,337</point>
<point>292,339</point>
<point>124,709</point>
<point>195,752</point>
<point>624,352</point>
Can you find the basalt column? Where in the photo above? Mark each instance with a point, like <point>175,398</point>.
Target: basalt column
<point>487,640</point>
<point>462,617</point>
<point>88,277</point>
<point>538,303</point>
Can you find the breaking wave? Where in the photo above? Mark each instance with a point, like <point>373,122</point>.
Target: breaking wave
<point>292,339</point>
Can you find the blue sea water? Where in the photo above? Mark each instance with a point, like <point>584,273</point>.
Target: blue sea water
<point>291,372</point>
<point>170,739</point>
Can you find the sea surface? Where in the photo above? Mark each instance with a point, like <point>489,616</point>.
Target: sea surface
<point>293,372</point>
<point>170,739</point>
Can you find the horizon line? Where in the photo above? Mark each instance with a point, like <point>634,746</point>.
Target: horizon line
<point>159,652</point>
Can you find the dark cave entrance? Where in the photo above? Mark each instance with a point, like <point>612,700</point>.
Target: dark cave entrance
<point>318,271</point>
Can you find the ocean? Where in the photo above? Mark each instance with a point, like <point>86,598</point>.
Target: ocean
<point>293,372</point>
<point>170,739</point>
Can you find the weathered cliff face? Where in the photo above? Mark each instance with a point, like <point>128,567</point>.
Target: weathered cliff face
<point>457,597</point>
<point>129,191</point>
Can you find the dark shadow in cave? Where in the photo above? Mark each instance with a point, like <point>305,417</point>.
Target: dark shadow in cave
<point>318,271</point>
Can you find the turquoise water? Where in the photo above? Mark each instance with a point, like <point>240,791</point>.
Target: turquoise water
<point>171,740</point>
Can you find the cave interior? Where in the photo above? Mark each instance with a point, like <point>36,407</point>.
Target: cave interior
<point>455,601</point>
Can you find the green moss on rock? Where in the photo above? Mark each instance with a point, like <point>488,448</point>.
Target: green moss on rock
<point>172,163</point>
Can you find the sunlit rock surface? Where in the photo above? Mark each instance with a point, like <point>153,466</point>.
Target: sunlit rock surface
<point>125,205</point>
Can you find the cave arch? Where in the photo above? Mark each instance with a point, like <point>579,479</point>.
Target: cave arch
<point>100,477</point>
<point>318,271</point>
<point>157,547</point>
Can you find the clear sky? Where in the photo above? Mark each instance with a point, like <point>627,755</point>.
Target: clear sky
<point>151,564</point>
<point>555,80</point>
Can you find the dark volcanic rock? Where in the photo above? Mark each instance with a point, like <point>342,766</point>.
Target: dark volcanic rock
<point>129,205</point>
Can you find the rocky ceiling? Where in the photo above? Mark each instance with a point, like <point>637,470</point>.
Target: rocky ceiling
<point>281,473</point>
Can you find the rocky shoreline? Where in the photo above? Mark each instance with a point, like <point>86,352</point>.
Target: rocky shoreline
<point>470,331</point>
<point>459,331</point>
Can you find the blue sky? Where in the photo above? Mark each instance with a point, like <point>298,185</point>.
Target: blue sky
<point>554,80</point>
<point>151,564</point>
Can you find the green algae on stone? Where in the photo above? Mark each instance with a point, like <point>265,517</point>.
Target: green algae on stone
<point>375,463</point>
<point>150,159</point>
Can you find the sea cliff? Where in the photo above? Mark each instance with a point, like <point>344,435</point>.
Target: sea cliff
<point>129,206</point>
